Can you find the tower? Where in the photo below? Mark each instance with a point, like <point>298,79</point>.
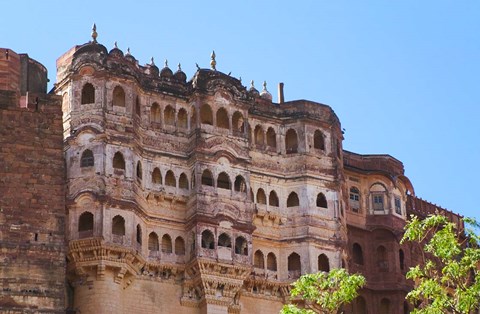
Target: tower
<point>197,196</point>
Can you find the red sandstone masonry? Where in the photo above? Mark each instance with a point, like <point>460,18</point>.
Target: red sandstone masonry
<point>32,214</point>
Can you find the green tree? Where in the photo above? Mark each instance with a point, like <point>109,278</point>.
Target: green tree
<point>448,280</point>
<point>324,292</point>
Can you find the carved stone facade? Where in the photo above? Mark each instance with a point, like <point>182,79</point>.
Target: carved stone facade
<point>203,196</point>
<point>201,185</point>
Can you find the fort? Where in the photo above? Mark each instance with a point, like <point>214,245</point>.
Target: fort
<point>130,189</point>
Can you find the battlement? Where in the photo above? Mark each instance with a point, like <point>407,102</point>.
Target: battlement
<point>422,208</point>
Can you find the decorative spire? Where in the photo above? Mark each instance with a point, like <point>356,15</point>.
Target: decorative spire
<point>152,62</point>
<point>128,51</point>
<point>265,86</point>
<point>179,67</point>
<point>166,63</point>
<point>94,33</point>
<point>115,45</point>
<point>252,84</point>
<point>213,63</point>
<point>198,67</point>
<point>240,79</point>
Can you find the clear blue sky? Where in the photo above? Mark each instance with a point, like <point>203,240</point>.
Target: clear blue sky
<point>403,76</point>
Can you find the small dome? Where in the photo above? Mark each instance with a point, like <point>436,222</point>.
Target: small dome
<point>252,90</point>
<point>166,72</point>
<point>116,51</point>
<point>152,69</point>
<point>265,94</point>
<point>129,56</point>
<point>180,75</point>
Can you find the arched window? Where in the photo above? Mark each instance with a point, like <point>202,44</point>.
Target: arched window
<point>169,115</point>
<point>118,97</point>
<point>238,123</point>
<point>118,225</point>
<point>258,260</point>
<point>354,199</point>
<point>137,106</point>
<point>118,161</point>
<point>378,192</point>
<point>222,119</point>
<point>139,234</point>
<point>170,179</point>
<point>271,138</point>
<point>318,140</point>
<point>258,135</point>
<point>323,263</point>
<point>183,181</point>
<point>224,240</point>
<point>156,176</point>
<point>261,197</point>
<point>357,254</point>
<point>193,118</point>
<point>88,94</point>
<point>382,261</point>
<point>207,177</point>
<point>153,242</point>
<point>271,262</point>
<point>273,199</point>
<point>166,244</point>
<point>155,113</point>
<point>193,181</point>
<point>241,246</point>
<point>85,222</point>
<point>401,257</point>
<point>206,115</point>
<point>223,181</point>
<point>182,118</point>
<point>360,305</point>
<point>321,200</point>
<point>293,200</point>
<point>240,185</point>
<point>208,241</point>
<point>179,246</point>
<point>294,265</point>
<point>291,141</point>
<point>385,306</point>
<point>139,170</point>
<point>87,159</point>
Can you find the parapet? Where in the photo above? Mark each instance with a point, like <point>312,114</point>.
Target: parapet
<point>373,163</point>
<point>22,79</point>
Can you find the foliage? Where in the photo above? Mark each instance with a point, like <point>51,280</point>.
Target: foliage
<point>448,280</point>
<point>325,292</point>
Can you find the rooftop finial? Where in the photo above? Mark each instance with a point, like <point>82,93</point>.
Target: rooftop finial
<point>152,63</point>
<point>252,84</point>
<point>265,85</point>
<point>213,63</point>
<point>115,45</point>
<point>128,51</point>
<point>94,33</point>
<point>198,67</point>
<point>179,67</point>
<point>166,63</point>
<point>240,79</point>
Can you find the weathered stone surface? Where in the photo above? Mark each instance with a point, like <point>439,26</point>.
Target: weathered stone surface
<point>32,206</point>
